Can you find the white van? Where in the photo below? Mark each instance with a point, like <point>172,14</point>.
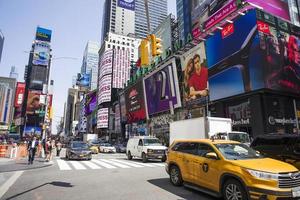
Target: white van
<point>145,147</point>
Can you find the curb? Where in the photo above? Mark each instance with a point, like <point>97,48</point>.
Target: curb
<point>23,167</point>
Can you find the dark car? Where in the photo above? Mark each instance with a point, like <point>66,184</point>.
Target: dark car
<point>78,150</point>
<point>285,147</point>
<point>120,148</point>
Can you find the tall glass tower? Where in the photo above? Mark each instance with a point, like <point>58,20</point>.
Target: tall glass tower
<point>158,10</point>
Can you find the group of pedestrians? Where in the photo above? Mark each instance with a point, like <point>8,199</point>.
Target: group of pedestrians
<point>50,147</point>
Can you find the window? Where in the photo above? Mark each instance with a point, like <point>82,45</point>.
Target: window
<point>203,149</point>
<point>186,147</point>
<point>140,142</point>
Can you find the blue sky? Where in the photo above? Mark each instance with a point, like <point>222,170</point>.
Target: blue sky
<point>73,23</point>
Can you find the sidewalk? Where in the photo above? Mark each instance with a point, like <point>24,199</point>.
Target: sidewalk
<point>9,165</point>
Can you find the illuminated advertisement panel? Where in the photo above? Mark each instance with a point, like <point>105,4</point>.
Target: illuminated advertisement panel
<point>90,102</point>
<point>43,34</point>
<point>127,4</point>
<point>41,53</point>
<point>19,97</point>
<point>102,118</point>
<point>162,89</point>
<point>121,68</point>
<point>106,63</point>
<point>104,93</point>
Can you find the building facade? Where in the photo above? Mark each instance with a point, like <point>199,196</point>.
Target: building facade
<point>184,9</point>
<point>1,44</point>
<point>13,73</point>
<point>158,11</point>
<point>7,94</point>
<point>90,63</point>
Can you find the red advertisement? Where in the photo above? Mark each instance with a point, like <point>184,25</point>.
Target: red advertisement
<point>263,27</point>
<point>227,30</point>
<point>19,97</point>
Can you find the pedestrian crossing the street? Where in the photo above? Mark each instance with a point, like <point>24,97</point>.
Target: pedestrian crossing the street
<point>95,164</point>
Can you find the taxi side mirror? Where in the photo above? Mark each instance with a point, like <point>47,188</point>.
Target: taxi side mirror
<point>212,155</point>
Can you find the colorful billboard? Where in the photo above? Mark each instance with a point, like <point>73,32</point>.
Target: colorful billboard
<point>106,63</point>
<point>134,97</point>
<point>83,80</point>
<point>43,34</point>
<point>127,4</point>
<point>104,92</point>
<point>34,105</point>
<point>41,53</point>
<point>121,68</point>
<point>162,89</point>
<point>102,118</point>
<point>279,8</point>
<point>32,130</point>
<point>194,67</point>
<point>20,92</point>
<point>90,102</point>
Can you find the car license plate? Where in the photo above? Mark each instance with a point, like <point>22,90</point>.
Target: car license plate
<point>81,155</point>
<point>159,156</point>
<point>296,192</point>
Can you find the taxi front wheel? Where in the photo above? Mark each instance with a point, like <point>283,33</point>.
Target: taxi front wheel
<point>175,176</point>
<point>234,190</point>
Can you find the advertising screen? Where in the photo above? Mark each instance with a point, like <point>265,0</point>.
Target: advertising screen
<point>134,97</point>
<point>162,89</point>
<point>19,97</point>
<point>235,62</point>
<point>102,118</point>
<point>194,67</point>
<point>281,55</point>
<point>240,113</point>
<point>90,102</point>
<point>32,130</point>
<point>38,77</point>
<point>104,93</point>
<point>83,80</point>
<point>121,68</point>
<point>106,63</point>
<point>41,53</point>
<point>34,105</point>
<point>127,4</point>
<point>43,34</point>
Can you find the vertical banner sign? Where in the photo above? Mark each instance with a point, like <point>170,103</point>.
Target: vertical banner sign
<point>102,118</point>
<point>106,63</point>
<point>104,93</point>
<point>121,68</point>
<point>19,97</point>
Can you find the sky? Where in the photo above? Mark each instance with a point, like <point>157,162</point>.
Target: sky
<point>73,23</point>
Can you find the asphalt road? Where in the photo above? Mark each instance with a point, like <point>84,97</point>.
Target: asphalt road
<point>96,180</point>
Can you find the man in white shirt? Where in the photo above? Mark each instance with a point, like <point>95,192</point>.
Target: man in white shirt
<point>32,146</point>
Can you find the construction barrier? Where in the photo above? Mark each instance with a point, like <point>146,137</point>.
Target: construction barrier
<point>3,149</point>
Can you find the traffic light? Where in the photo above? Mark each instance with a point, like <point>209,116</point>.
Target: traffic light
<point>156,45</point>
<point>144,52</point>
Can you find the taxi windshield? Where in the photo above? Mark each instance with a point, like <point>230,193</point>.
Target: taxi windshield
<point>233,151</point>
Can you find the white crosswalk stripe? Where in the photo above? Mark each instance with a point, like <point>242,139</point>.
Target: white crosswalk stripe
<point>103,164</point>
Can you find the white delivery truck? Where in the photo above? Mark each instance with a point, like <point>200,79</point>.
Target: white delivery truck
<point>205,128</point>
<point>90,137</point>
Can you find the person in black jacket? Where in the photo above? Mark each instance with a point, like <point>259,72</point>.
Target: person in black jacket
<point>32,146</point>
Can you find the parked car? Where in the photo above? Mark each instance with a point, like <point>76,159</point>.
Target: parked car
<point>120,148</point>
<point>229,169</point>
<point>94,146</point>
<point>107,148</point>
<point>78,150</point>
<point>145,147</point>
<point>285,147</point>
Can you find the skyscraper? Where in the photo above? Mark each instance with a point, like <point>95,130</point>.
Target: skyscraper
<point>184,18</point>
<point>90,62</point>
<point>158,11</point>
<point>13,73</point>
<point>7,95</point>
<point>1,43</point>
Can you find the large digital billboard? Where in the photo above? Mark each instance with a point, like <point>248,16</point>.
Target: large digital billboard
<point>41,53</point>
<point>102,118</point>
<point>43,34</point>
<point>127,4</point>
<point>83,80</point>
<point>121,68</point>
<point>34,104</point>
<point>90,102</point>
<point>162,89</point>
<point>104,92</point>
<point>134,97</point>
<point>106,62</point>
<point>194,67</point>
<point>235,61</point>
<point>20,92</point>
<point>38,77</point>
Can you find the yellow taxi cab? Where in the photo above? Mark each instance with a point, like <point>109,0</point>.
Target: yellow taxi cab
<point>230,170</point>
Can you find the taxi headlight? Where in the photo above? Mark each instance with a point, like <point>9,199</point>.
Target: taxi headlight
<point>263,175</point>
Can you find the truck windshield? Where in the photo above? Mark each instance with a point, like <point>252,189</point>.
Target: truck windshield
<point>151,142</point>
<point>239,137</point>
<point>237,151</point>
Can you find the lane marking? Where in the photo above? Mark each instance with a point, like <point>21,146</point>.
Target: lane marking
<point>115,163</point>
<point>145,164</point>
<point>91,165</point>
<point>10,182</point>
<point>77,165</point>
<point>158,164</point>
<point>63,165</point>
<point>127,163</point>
<point>103,164</point>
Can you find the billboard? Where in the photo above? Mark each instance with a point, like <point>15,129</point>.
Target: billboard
<point>127,4</point>
<point>19,97</point>
<point>41,53</point>
<point>32,130</point>
<point>134,98</point>
<point>162,89</point>
<point>38,77</point>
<point>235,61</point>
<point>90,102</point>
<point>194,67</point>
<point>102,118</point>
<point>279,8</point>
<point>34,104</point>
<point>43,34</point>
<point>121,68</point>
<point>106,63</point>
<point>83,80</point>
<point>104,93</point>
